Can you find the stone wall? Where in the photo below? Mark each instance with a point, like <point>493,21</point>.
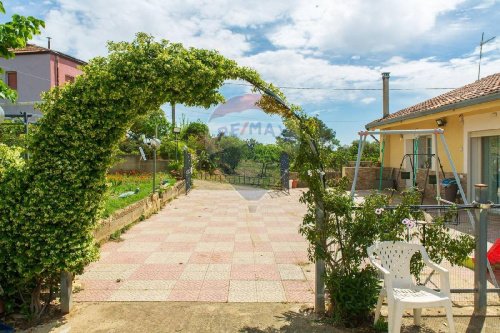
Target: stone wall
<point>329,174</point>
<point>368,177</point>
<point>137,211</point>
<point>134,163</point>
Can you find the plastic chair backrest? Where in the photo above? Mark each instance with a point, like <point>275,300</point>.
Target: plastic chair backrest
<point>395,257</point>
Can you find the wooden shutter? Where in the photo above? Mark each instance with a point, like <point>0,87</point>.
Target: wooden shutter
<point>12,80</point>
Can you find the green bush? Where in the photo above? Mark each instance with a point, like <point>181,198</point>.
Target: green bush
<point>348,231</point>
<point>50,206</point>
<point>354,295</point>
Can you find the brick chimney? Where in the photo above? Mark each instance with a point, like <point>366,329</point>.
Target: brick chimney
<point>385,93</point>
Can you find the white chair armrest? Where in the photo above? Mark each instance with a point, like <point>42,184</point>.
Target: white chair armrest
<point>444,275</point>
<point>379,267</point>
<point>435,266</point>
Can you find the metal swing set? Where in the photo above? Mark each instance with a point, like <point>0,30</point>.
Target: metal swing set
<point>438,132</point>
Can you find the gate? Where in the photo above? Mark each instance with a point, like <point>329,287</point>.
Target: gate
<point>285,171</point>
<point>188,170</point>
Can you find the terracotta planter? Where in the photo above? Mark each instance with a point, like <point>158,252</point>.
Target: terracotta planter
<point>295,182</point>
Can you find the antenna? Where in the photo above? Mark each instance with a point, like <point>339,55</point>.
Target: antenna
<point>48,42</point>
<point>481,52</point>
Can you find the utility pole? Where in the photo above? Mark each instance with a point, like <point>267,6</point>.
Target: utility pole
<point>173,114</point>
<point>481,53</point>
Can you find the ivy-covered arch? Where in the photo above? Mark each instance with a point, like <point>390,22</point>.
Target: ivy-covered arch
<point>49,205</point>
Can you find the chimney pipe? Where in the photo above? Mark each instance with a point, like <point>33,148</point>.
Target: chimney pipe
<point>385,93</point>
<point>48,42</point>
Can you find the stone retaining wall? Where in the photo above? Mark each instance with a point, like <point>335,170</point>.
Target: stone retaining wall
<point>137,211</point>
<point>134,163</point>
<point>368,177</point>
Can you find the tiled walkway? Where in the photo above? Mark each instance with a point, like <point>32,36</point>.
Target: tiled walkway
<point>212,245</point>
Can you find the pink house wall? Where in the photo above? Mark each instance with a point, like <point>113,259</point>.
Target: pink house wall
<point>65,67</point>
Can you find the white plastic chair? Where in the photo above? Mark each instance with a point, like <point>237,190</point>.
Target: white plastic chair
<point>401,292</point>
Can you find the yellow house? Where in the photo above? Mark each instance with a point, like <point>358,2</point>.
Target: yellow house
<point>470,118</point>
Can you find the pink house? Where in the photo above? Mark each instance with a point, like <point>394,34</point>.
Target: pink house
<point>36,69</point>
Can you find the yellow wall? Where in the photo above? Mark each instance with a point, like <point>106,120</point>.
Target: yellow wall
<point>453,131</point>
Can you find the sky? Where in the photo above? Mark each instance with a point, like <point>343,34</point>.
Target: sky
<point>313,49</point>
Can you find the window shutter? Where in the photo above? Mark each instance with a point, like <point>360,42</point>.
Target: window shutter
<point>12,80</point>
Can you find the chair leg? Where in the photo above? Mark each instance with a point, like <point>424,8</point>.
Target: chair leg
<point>397,318</point>
<point>379,306</point>
<point>449,315</point>
<point>390,316</point>
<point>417,317</point>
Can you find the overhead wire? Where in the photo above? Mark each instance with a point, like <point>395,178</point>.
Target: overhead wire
<point>343,89</point>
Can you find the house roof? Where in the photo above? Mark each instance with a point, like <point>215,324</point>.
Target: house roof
<point>484,90</point>
<point>33,49</point>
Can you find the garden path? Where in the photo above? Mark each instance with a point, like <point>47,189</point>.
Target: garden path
<point>217,244</point>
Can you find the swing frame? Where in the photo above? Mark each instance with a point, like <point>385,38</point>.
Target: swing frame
<point>437,132</point>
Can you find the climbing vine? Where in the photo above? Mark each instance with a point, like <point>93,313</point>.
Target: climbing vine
<point>50,205</point>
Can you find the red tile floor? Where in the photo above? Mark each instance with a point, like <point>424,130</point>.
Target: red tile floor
<point>211,245</point>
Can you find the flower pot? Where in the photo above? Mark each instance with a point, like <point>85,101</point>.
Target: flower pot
<point>295,183</point>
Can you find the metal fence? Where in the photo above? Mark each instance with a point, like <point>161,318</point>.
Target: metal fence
<point>266,182</point>
<point>476,281</point>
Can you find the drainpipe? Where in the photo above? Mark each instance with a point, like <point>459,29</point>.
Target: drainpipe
<point>385,92</point>
<point>56,65</point>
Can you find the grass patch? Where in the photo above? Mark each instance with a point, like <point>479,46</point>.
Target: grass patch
<point>121,183</point>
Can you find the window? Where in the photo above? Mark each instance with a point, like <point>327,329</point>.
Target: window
<point>420,151</point>
<point>69,78</point>
<point>12,80</point>
<point>425,149</point>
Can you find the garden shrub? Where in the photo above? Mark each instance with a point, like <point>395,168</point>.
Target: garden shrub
<point>349,230</point>
<point>50,206</point>
<point>354,294</point>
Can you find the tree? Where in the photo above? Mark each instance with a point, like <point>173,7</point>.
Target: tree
<point>344,154</point>
<point>195,129</point>
<point>231,152</point>
<point>15,34</point>
<point>327,136</point>
<point>152,124</point>
<point>267,154</point>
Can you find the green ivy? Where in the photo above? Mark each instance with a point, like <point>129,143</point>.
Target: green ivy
<point>50,205</point>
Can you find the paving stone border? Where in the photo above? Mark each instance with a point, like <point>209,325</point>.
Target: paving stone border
<point>137,211</point>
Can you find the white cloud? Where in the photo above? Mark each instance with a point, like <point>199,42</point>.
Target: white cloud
<point>368,100</point>
<point>486,4</point>
<point>306,35</point>
<point>362,26</point>
<point>290,68</point>
<point>84,27</point>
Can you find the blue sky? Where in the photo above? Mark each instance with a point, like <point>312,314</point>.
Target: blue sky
<point>324,45</point>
